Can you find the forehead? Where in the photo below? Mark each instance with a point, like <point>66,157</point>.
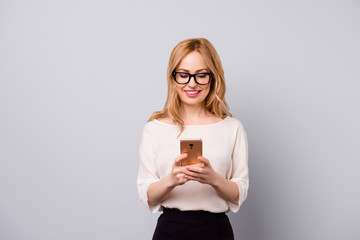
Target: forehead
<point>193,61</point>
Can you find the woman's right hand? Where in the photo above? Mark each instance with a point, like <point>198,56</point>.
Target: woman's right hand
<point>177,176</point>
<point>158,191</point>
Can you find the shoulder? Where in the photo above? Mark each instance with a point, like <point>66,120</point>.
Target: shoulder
<point>156,125</point>
<point>233,120</point>
<point>235,123</point>
<point>149,130</point>
<point>166,120</point>
<point>150,125</point>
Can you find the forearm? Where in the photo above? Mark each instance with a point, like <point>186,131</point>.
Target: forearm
<point>158,191</point>
<point>226,189</point>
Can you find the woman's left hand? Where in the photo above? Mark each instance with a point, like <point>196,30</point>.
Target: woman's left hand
<point>201,172</point>
<point>204,173</point>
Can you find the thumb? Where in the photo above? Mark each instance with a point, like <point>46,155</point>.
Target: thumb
<point>179,158</point>
<point>204,160</point>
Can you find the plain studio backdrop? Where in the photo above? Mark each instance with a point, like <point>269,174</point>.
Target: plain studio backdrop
<point>79,79</point>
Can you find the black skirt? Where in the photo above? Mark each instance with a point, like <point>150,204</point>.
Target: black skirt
<point>174,224</point>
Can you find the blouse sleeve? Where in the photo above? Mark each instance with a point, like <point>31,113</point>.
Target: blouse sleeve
<point>240,171</point>
<point>147,173</point>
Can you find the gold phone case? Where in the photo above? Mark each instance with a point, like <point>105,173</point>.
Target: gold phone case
<point>193,148</point>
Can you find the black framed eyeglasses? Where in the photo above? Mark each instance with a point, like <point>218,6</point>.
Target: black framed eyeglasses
<point>200,78</point>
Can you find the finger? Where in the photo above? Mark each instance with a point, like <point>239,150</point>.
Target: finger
<point>204,160</point>
<point>195,179</point>
<point>201,164</point>
<point>179,158</point>
<point>180,175</point>
<point>193,174</point>
<point>193,168</point>
<point>178,169</point>
<point>182,178</point>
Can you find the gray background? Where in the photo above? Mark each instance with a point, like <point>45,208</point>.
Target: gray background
<point>80,78</point>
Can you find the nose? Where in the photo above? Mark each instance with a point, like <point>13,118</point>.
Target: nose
<point>192,82</point>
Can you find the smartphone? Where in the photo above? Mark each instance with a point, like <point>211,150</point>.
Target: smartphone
<point>193,148</point>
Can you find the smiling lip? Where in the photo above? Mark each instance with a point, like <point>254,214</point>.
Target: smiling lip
<point>192,93</point>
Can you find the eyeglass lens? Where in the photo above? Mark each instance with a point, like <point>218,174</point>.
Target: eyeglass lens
<point>200,78</point>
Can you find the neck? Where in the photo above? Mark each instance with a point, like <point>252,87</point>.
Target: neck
<point>192,114</point>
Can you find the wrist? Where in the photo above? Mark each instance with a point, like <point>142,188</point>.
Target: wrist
<point>216,181</point>
<point>170,181</point>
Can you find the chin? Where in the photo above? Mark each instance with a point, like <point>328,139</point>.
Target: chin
<point>192,102</point>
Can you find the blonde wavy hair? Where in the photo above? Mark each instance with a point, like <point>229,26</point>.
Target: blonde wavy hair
<point>215,101</point>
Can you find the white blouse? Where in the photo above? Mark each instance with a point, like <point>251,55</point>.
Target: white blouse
<point>224,145</point>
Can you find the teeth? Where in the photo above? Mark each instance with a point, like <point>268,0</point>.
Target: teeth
<point>192,92</point>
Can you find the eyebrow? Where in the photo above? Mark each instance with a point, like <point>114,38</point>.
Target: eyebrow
<point>199,70</point>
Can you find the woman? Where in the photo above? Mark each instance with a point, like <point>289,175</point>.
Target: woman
<point>194,198</point>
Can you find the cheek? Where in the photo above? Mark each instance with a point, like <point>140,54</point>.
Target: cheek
<point>206,91</point>
<point>178,89</point>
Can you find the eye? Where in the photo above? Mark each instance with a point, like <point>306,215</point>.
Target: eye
<point>202,75</point>
<point>183,75</point>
